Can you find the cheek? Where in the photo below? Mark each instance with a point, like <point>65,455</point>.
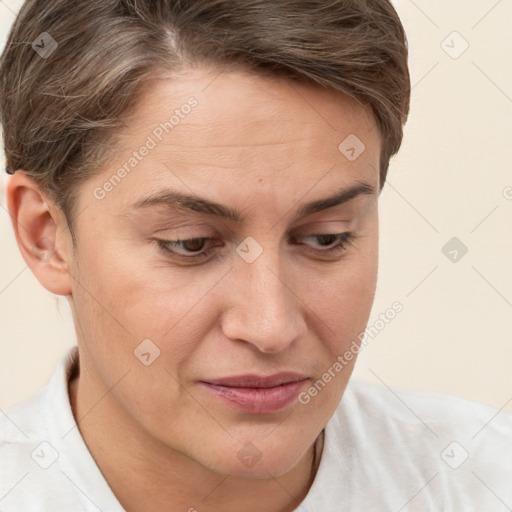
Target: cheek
<point>344,305</point>
<point>123,299</point>
<point>131,289</point>
<point>343,298</point>
<point>119,305</point>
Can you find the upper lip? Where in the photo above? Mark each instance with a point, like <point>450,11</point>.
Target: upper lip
<point>257,381</point>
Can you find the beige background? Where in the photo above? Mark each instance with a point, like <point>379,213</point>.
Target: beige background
<point>449,180</point>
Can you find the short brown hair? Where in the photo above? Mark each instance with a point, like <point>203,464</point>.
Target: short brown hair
<point>60,113</point>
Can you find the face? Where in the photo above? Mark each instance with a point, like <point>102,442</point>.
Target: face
<point>212,317</point>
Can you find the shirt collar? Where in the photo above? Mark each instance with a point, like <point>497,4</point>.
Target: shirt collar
<point>75,460</point>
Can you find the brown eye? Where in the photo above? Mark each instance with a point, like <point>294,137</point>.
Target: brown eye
<point>193,244</point>
<point>344,239</point>
<point>188,249</point>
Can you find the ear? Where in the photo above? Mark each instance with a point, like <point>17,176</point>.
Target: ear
<point>41,232</point>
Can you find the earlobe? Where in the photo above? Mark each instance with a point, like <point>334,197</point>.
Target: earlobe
<point>41,233</point>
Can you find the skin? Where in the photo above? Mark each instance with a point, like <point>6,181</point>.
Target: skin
<point>264,146</point>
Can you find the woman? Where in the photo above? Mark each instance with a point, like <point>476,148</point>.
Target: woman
<point>200,179</point>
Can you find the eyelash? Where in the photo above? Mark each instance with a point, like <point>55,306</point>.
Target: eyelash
<point>344,239</point>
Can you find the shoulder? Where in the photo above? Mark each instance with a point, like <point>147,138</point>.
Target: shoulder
<point>22,423</point>
<point>454,450</point>
<point>30,473</point>
<point>434,417</point>
<point>25,452</point>
<point>440,411</point>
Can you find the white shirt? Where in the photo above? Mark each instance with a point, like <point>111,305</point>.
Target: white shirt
<point>384,450</point>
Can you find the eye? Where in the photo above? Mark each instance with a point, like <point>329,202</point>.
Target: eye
<point>191,247</point>
<point>340,241</point>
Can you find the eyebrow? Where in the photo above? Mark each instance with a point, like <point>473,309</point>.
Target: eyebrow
<point>173,198</point>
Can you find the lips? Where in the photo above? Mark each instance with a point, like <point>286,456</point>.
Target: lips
<point>257,394</point>
<point>255,381</point>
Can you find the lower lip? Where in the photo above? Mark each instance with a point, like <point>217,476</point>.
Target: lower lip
<point>257,400</point>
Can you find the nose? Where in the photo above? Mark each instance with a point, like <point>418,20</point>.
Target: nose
<point>265,308</point>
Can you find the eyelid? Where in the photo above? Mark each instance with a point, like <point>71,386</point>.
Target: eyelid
<point>176,228</point>
<point>309,227</point>
<point>324,227</point>
<point>342,240</point>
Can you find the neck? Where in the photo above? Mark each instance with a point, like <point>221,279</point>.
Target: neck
<point>145,475</point>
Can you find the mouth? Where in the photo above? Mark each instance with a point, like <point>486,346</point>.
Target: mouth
<point>257,395</point>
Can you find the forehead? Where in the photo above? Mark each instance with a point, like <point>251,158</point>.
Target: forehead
<point>213,131</point>
<point>249,109</point>
<point>224,95</point>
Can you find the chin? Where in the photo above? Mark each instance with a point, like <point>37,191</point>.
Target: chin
<point>256,460</point>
